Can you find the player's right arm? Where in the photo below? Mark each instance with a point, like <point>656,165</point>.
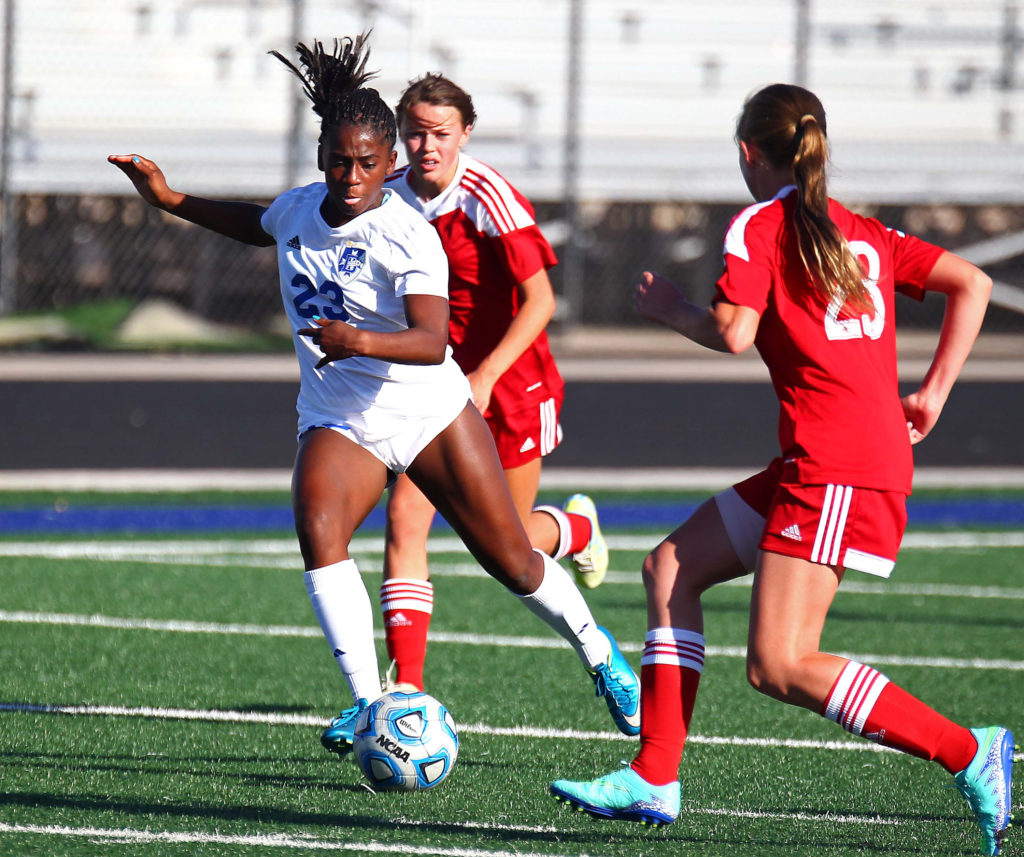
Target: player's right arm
<point>723,326</point>
<point>238,220</point>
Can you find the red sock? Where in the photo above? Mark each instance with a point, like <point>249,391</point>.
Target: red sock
<point>866,703</point>
<point>573,530</point>
<point>407,606</point>
<point>670,671</point>
<point>579,532</point>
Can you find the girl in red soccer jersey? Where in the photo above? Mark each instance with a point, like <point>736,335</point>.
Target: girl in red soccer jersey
<point>364,285</point>
<point>501,301</point>
<point>812,286</point>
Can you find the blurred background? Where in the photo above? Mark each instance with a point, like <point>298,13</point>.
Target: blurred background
<point>614,117</point>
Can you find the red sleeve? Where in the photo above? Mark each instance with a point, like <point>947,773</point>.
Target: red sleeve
<point>524,252</point>
<point>913,260</point>
<point>749,260</point>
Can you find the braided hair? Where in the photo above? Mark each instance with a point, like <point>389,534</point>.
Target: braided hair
<point>333,82</point>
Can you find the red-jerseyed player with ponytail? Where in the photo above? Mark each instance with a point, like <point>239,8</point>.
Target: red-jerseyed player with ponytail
<point>500,301</point>
<point>812,286</point>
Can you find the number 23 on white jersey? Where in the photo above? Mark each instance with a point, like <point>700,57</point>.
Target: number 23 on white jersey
<point>864,325</point>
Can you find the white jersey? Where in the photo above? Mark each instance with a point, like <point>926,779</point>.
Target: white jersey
<point>358,273</point>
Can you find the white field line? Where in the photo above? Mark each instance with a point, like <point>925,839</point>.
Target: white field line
<point>288,719</point>
<point>283,554</point>
<point>374,545</point>
<point>506,642</point>
<point>271,840</point>
<point>126,835</point>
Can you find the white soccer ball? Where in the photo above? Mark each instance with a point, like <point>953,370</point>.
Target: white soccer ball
<point>405,741</point>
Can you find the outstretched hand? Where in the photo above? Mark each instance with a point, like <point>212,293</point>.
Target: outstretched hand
<point>148,179</point>
<point>656,298</point>
<point>336,339</point>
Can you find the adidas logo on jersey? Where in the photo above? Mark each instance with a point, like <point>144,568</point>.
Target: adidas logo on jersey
<point>398,621</point>
<point>293,242</point>
<point>792,532</point>
<point>528,444</point>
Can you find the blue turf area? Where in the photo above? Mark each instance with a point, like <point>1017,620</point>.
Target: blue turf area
<point>624,514</point>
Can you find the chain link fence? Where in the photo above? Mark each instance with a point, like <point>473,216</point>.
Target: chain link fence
<point>629,161</point>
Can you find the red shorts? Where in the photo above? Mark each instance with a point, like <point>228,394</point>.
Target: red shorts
<point>854,528</point>
<point>528,434</point>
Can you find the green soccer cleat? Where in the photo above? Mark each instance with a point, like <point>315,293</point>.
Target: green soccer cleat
<point>591,563</point>
<point>618,684</point>
<point>338,737</point>
<point>621,795</point>
<point>986,785</point>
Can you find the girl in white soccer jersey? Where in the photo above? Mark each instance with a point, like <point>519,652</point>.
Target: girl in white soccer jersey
<point>500,301</point>
<point>811,285</point>
<point>364,283</point>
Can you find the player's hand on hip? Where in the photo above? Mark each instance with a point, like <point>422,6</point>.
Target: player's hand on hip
<point>921,415</point>
<point>481,388</point>
<point>147,177</point>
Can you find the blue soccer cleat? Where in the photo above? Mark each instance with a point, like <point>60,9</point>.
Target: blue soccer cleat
<point>591,563</point>
<point>621,795</point>
<point>338,736</point>
<point>986,785</point>
<point>618,684</point>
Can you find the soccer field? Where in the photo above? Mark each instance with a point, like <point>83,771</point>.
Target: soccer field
<point>164,695</point>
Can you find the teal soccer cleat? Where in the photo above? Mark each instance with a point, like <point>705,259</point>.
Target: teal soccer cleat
<point>620,687</point>
<point>591,563</point>
<point>621,795</point>
<point>986,785</point>
<point>339,735</point>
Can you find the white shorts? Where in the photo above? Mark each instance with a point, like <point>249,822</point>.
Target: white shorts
<point>394,440</point>
<point>743,524</point>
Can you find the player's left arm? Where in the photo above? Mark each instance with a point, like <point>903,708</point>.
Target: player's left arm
<point>424,341</point>
<point>535,311</point>
<point>967,290</point>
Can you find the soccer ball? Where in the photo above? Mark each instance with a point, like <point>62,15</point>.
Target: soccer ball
<point>405,741</point>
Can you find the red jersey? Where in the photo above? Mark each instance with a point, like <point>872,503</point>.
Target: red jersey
<point>833,369</point>
<point>489,233</point>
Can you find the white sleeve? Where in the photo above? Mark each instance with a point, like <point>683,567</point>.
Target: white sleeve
<point>420,263</point>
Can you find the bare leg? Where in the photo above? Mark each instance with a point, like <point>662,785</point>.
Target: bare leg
<point>409,518</point>
<point>460,473</point>
<point>697,555</point>
<point>523,483</point>
<point>790,601</point>
<point>335,484</point>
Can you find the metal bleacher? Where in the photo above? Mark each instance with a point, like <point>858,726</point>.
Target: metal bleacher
<point>918,96</point>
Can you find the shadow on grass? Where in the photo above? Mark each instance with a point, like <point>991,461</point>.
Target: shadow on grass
<point>604,836</point>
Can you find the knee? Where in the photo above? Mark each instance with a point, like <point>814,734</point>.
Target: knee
<point>316,529</point>
<point>770,674</point>
<point>657,568</point>
<point>663,571</point>
<point>523,577</point>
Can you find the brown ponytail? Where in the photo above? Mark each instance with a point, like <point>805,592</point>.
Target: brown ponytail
<point>787,123</point>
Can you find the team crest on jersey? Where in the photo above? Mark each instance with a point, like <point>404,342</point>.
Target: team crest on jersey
<point>352,260</point>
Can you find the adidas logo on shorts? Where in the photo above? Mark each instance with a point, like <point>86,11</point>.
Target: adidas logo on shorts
<point>528,444</point>
<point>792,532</point>
<point>293,242</point>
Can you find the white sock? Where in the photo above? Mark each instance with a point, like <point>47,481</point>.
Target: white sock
<point>342,607</point>
<point>564,529</point>
<point>559,603</point>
